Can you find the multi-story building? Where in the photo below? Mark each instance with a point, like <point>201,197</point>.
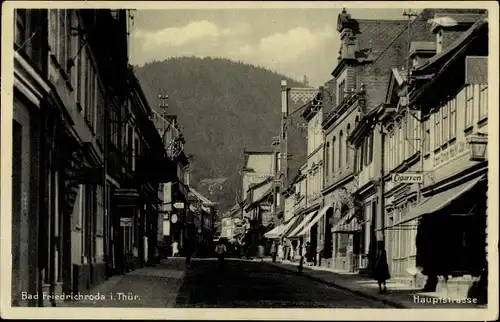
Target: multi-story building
<point>311,227</point>
<point>31,88</point>
<point>355,90</point>
<point>432,153</point>
<point>258,175</point>
<point>75,167</point>
<point>453,203</point>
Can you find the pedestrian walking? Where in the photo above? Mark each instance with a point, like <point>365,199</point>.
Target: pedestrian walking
<point>221,251</point>
<point>381,269</point>
<point>273,252</point>
<point>280,252</point>
<point>260,252</point>
<point>175,249</point>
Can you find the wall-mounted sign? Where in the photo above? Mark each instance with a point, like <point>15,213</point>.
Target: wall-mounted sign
<point>452,152</point>
<point>178,205</point>
<point>126,222</point>
<point>173,218</point>
<point>408,178</point>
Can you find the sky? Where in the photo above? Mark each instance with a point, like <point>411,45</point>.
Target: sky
<point>294,42</point>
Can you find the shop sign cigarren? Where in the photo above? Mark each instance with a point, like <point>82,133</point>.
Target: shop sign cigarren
<point>407,178</point>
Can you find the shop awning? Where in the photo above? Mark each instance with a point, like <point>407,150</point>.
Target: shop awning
<point>347,225</point>
<point>278,231</point>
<point>314,220</point>
<point>438,201</point>
<point>301,225</point>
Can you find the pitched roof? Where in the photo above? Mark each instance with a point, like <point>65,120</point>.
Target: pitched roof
<point>205,201</point>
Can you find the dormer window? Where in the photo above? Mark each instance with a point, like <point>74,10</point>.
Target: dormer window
<point>439,41</point>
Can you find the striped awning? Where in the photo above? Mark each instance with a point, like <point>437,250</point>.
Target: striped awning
<point>314,220</point>
<point>305,221</point>
<point>277,232</point>
<point>348,224</point>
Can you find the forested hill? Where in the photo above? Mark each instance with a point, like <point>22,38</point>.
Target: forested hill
<point>223,106</point>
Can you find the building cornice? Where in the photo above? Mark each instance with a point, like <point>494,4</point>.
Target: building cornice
<point>340,182</point>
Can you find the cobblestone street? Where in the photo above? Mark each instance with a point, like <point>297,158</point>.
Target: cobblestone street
<point>251,284</point>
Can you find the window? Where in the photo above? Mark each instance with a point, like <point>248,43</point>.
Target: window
<point>410,143</point>
<point>28,37</point>
<point>396,145</point>
<point>356,121</point>
<point>21,27</point>
<point>89,226</point>
<point>341,92</point>
<point>371,148</point>
<point>333,156</point>
<point>100,106</point>
<point>417,127</point>
<point>452,107</point>
<point>130,150</point>
<point>483,101</point>
<point>427,136</point>
<point>445,125</point>
<point>361,160</point>
<point>327,154</point>
<point>61,37</point>
<point>347,147</point>
<point>100,211</point>
<point>469,105</point>
<point>341,142</point>
<point>366,154</point>
<point>90,93</point>
<point>401,142</point>
<point>81,67</point>
<point>437,130</point>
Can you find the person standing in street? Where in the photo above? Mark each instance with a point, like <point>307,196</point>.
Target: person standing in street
<point>273,251</point>
<point>381,269</point>
<point>175,249</point>
<point>260,251</point>
<point>220,250</point>
<point>280,252</point>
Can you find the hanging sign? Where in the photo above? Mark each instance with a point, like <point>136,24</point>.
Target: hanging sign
<point>126,222</point>
<point>408,178</point>
<point>178,205</point>
<point>173,218</point>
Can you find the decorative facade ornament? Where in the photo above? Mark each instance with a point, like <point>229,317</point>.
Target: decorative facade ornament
<point>303,95</point>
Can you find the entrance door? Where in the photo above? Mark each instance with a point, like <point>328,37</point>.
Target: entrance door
<point>24,221</point>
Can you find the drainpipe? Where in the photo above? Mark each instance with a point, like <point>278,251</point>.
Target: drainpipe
<point>379,222</point>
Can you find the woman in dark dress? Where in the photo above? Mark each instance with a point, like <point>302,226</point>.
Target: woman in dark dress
<point>381,269</point>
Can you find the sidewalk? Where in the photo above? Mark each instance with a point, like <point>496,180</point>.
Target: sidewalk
<point>152,287</point>
<point>399,295</point>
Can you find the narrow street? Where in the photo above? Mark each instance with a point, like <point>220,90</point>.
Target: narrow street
<point>251,284</point>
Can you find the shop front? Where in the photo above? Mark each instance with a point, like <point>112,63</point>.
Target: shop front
<point>449,248</point>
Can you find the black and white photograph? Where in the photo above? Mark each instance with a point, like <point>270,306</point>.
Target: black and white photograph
<point>334,156</point>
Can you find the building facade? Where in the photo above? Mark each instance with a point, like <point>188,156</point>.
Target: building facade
<point>80,125</point>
